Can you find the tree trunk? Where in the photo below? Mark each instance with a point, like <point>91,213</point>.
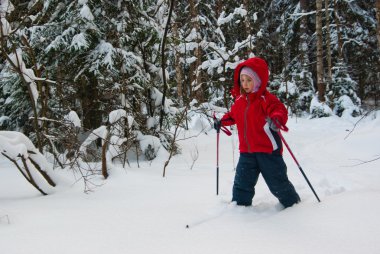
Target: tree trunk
<point>195,79</point>
<point>178,68</point>
<point>218,8</point>
<point>163,62</point>
<point>104,153</point>
<point>303,40</point>
<point>339,32</point>
<point>248,28</point>
<point>328,45</point>
<point>304,84</point>
<point>378,21</point>
<point>320,79</point>
<point>89,94</point>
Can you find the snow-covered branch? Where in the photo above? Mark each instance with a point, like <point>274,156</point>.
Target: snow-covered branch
<point>16,147</point>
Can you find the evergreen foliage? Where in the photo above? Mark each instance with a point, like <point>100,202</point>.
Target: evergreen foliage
<point>106,55</point>
<point>343,92</point>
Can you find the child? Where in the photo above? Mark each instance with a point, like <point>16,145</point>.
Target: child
<point>257,114</point>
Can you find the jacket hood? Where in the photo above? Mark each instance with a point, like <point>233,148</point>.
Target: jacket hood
<point>257,64</point>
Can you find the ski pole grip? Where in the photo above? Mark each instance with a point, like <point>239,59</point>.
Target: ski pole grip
<point>220,127</point>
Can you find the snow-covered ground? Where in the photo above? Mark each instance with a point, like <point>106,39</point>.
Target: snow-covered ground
<point>136,210</point>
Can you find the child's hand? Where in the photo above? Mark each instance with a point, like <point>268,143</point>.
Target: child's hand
<point>217,124</point>
<point>276,124</point>
<point>272,124</point>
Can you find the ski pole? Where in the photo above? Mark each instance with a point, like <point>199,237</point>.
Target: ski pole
<point>217,154</point>
<point>299,166</point>
<point>217,161</point>
<point>225,130</point>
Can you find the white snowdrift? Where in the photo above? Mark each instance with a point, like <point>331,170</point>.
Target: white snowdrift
<point>137,211</point>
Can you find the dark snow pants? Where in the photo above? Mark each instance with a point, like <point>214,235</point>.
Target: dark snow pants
<point>273,169</point>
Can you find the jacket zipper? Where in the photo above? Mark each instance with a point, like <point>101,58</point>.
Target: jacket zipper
<point>245,124</point>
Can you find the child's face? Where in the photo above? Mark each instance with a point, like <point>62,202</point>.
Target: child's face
<point>246,83</point>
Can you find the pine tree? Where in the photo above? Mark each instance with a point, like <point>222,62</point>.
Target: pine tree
<point>342,91</point>
<point>106,55</point>
<point>359,49</point>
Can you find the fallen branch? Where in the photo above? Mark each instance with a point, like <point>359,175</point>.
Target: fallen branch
<point>364,116</point>
<point>365,162</point>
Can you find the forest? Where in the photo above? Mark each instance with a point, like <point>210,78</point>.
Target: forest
<point>91,79</point>
<point>107,139</point>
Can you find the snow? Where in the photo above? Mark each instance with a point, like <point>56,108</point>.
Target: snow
<point>106,50</point>
<point>210,64</point>
<point>116,115</point>
<point>4,120</point>
<point>130,121</point>
<point>6,27</point>
<point>151,122</point>
<point>85,13</point>
<point>28,74</point>
<point>136,210</point>
<point>15,145</point>
<point>12,147</point>
<point>5,7</point>
<point>192,36</point>
<point>255,17</point>
<point>79,41</point>
<point>223,19</point>
<point>346,103</point>
<point>116,134</point>
<point>82,2</point>
<point>149,140</point>
<point>156,95</point>
<point>100,132</point>
<point>320,108</point>
<point>288,87</point>
<point>260,33</point>
<point>73,118</point>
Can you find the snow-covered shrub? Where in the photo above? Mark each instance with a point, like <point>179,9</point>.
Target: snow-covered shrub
<point>72,118</point>
<point>88,150</point>
<point>345,107</point>
<point>319,109</point>
<point>149,145</point>
<point>4,122</point>
<point>304,101</point>
<point>304,83</point>
<point>113,135</point>
<point>64,136</point>
<point>343,93</point>
<point>19,149</point>
<point>121,136</point>
<point>301,86</point>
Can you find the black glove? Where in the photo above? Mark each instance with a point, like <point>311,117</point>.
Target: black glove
<point>217,124</point>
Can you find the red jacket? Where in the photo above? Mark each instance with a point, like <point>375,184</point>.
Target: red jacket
<point>250,111</point>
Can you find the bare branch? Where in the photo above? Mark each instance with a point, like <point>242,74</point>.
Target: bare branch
<point>364,162</point>
<point>364,116</point>
<point>194,156</point>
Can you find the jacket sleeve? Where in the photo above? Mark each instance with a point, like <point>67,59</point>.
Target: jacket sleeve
<point>274,108</point>
<point>228,118</point>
